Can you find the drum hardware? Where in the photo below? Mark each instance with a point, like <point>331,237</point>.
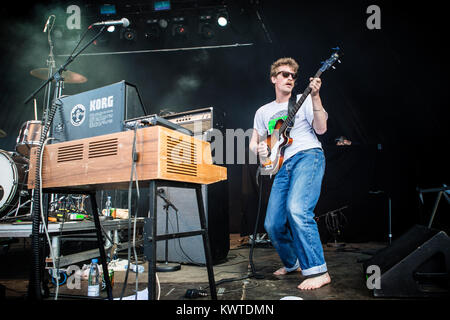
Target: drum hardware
<point>62,74</point>
<point>35,109</point>
<point>15,216</point>
<point>29,135</point>
<point>14,195</point>
<point>68,76</point>
<point>20,217</point>
<point>22,205</point>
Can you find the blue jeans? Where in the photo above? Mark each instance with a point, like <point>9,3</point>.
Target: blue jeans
<point>290,218</point>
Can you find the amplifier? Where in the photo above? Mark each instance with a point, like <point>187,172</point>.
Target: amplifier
<point>96,112</point>
<point>198,120</point>
<point>215,197</point>
<point>154,120</point>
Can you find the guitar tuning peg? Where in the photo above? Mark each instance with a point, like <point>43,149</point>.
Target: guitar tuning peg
<point>334,68</point>
<point>339,61</point>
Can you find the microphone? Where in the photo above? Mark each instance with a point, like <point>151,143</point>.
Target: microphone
<point>46,24</point>
<point>123,22</point>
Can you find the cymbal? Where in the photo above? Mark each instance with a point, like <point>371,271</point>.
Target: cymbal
<point>2,133</point>
<point>69,76</point>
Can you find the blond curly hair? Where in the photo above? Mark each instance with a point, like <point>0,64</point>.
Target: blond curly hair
<point>282,62</point>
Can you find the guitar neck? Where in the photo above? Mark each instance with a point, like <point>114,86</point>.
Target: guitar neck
<point>299,103</point>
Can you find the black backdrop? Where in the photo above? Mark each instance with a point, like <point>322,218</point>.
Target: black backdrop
<point>388,96</point>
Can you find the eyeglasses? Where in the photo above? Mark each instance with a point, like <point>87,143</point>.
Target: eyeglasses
<point>286,74</point>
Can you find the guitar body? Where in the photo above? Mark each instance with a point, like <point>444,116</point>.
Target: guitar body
<point>277,142</point>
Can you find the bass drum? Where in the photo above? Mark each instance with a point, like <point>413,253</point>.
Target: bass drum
<point>14,195</point>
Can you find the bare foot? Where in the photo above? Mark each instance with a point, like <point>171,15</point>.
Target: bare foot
<point>315,283</point>
<point>282,271</point>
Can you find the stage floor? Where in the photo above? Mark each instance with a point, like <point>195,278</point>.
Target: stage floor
<point>344,264</point>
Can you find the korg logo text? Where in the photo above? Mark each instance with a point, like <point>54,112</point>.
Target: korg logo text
<point>102,103</point>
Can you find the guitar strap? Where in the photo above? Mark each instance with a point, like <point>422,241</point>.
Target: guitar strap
<point>291,104</point>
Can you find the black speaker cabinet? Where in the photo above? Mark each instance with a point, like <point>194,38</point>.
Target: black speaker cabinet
<point>190,249</point>
<point>417,264</point>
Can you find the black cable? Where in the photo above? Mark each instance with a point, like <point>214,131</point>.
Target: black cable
<point>79,41</point>
<point>135,159</point>
<point>133,167</point>
<point>35,285</point>
<point>230,280</point>
<point>255,231</point>
<point>36,204</point>
<point>181,247</point>
<point>253,273</point>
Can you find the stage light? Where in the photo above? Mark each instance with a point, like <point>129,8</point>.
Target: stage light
<point>206,30</point>
<point>204,27</point>
<point>222,19</point>
<point>111,28</point>
<point>163,23</point>
<point>108,9</point>
<point>179,30</point>
<point>128,34</point>
<point>161,5</point>
<point>179,27</point>
<point>153,31</point>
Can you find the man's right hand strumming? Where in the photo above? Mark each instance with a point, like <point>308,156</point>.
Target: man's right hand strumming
<point>263,150</point>
<point>258,145</point>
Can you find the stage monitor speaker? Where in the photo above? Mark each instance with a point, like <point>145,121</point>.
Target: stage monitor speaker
<point>417,264</point>
<point>190,249</point>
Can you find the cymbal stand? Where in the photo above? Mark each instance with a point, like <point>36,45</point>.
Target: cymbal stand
<point>51,64</point>
<point>58,74</point>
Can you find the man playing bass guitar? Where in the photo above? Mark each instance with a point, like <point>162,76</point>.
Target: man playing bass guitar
<point>296,188</point>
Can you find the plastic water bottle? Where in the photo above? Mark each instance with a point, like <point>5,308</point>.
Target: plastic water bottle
<point>108,206</point>
<point>94,279</point>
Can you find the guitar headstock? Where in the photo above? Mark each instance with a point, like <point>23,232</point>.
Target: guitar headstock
<point>335,57</point>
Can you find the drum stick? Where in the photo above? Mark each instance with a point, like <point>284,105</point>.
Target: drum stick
<point>35,110</point>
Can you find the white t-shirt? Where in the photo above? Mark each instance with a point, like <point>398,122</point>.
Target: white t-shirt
<point>302,133</point>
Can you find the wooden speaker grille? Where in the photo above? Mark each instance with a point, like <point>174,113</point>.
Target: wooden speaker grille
<point>103,148</point>
<point>70,153</point>
<point>181,157</point>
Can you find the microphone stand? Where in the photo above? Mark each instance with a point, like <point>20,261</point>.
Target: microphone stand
<point>166,266</point>
<point>35,285</point>
<point>51,64</point>
<point>57,76</point>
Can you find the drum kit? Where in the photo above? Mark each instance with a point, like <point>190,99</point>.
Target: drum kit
<point>14,194</point>
<point>15,198</point>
